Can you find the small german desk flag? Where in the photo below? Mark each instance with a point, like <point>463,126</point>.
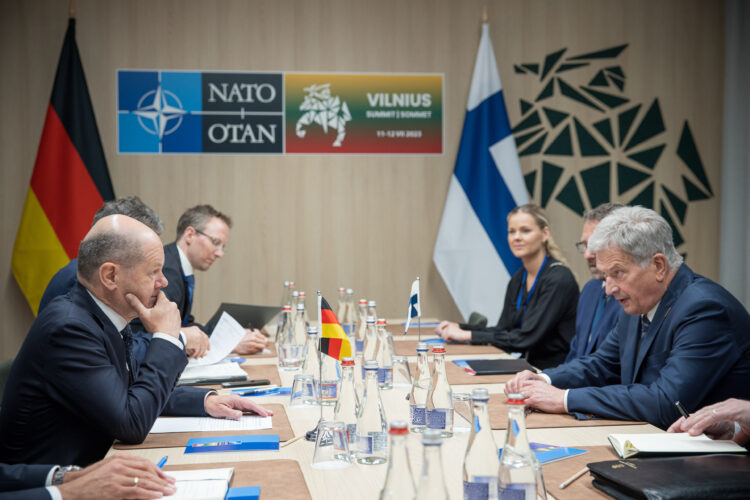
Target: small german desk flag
<point>333,340</point>
<point>69,184</point>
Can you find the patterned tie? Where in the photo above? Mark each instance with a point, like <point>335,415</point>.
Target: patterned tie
<point>190,282</point>
<point>127,337</point>
<point>645,323</point>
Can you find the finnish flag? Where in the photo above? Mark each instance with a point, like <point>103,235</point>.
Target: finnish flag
<point>471,251</point>
<point>414,308</point>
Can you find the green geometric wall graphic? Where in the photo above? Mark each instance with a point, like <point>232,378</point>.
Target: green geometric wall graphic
<point>524,138</point>
<point>530,121</point>
<point>625,120</point>
<point>569,66</point>
<point>569,91</point>
<point>571,197</point>
<point>628,178</point>
<point>534,147</point>
<point>548,91</point>
<point>616,70</point>
<point>554,117</point>
<point>530,179</point>
<point>518,69</point>
<point>688,152</point>
<point>648,157</point>
<point>694,193</point>
<point>550,175</point>
<point>596,182</point>
<point>586,142</point>
<point>534,68</point>
<point>678,204</point>
<point>676,236</point>
<point>601,54</point>
<point>618,82</point>
<point>599,80</point>
<point>651,125</point>
<point>609,100</point>
<point>645,198</point>
<point>605,128</point>
<point>561,145</point>
<point>550,61</point>
<point>525,107</point>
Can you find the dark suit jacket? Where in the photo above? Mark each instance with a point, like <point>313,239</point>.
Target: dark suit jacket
<point>68,394</point>
<point>62,282</point>
<point>547,325</point>
<point>696,351</point>
<point>24,482</point>
<point>587,303</point>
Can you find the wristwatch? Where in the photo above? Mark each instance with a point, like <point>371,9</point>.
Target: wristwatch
<point>59,474</point>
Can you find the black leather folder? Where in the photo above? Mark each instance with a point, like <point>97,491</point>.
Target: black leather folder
<point>498,366</point>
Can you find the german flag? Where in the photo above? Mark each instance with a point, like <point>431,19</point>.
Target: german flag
<point>69,183</point>
<point>333,340</point>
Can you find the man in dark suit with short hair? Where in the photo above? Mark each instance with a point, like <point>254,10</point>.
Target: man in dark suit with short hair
<point>75,386</point>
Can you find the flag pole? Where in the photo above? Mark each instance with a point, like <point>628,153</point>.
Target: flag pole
<point>419,316</point>
<point>312,435</point>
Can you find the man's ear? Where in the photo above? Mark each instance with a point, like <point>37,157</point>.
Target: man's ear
<point>659,261</point>
<point>188,235</point>
<point>108,275</point>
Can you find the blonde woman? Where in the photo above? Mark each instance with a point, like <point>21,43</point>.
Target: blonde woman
<point>539,314</point>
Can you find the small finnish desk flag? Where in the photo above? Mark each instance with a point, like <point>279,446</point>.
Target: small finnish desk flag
<point>414,308</point>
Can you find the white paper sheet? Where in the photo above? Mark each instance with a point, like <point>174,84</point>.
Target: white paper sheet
<point>211,372</point>
<point>225,337</point>
<point>201,484</point>
<point>224,473</point>
<point>208,424</point>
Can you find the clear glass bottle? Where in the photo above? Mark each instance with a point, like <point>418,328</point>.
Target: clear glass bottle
<point>372,308</point>
<point>370,350</point>
<point>372,439</point>
<point>440,398</point>
<point>347,404</point>
<point>384,356</point>
<point>359,375</point>
<point>329,380</point>
<point>431,482</point>
<point>361,332</point>
<point>341,306</point>
<point>349,320</point>
<point>286,297</point>
<point>300,325</point>
<point>517,475</point>
<point>399,482</point>
<point>481,462</point>
<point>419,389</point>
<point>311,365</point>
<point>284,329</point>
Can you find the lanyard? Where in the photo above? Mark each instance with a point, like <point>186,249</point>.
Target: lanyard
<point>523,284</point>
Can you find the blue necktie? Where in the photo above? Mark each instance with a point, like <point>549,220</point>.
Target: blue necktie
<point>127,337</point>
<point>597,315</point>
<point>645,323</point>
<point>190,282</point>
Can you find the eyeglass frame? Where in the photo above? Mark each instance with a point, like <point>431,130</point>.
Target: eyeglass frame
<point>581,246</point>
<point>216,242</point>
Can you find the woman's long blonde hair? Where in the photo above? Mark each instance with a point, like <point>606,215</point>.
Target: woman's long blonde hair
<point>542,221</point>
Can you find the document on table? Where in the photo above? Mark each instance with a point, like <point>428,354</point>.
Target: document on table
<point>208,424</point>
<point>201,484</point>
<point>628,445</point>
<point>225,337</point>
<point>220,371</point>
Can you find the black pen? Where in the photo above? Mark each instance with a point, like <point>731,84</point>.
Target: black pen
<point>683,412</point>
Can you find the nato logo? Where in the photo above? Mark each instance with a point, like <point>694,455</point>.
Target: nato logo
<point>197,112</point>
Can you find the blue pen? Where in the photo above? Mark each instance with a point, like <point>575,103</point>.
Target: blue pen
<point>162,462</point>
<point>258,392</point>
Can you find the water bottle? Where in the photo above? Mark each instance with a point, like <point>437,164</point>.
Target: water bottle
<point>419,389</point>
<point>399,482</point>
<point>359,375</point>
<point>361,331</point>
<point>341,307</point>
<point>329,380</point>
<point>311,365</point>
<point>371,340</point>
<point>371,308</point>
<point>347,404</point>
<point>431,482</point>
<point>302,299</point>
<point>440,398</point>
<point>350,314</point>
<point>384,357</point>
<point>300,325</point>
<point>517,475</point>
<point>480,462</point>
<point>372,440</point>
<point>286,297</point>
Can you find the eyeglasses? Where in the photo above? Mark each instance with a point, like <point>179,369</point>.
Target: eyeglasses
<point>216,242</point>
<point>581,246</point>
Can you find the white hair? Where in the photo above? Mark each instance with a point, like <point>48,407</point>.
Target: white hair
<point>639,232</point>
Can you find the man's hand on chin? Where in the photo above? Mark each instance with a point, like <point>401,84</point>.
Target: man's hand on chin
<point>544,397</point>
<point>232,407</point>
<point>164,317</point>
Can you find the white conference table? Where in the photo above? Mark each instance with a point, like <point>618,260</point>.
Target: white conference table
<point>365,481</point>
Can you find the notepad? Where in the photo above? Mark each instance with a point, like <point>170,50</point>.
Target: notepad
<point>628,445</point>
<point>208,424</point>
<point>219,372</point>
<point>201,484</point>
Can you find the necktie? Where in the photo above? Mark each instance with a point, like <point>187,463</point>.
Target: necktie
<point>597,315</point>
<point>127,337</point>
<point>645,323</point>
<point>190,282</point>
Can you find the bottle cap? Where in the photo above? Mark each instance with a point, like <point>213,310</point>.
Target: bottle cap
<point>516,399</point>
<point>398,427</point>
<point>312,330</point>
<point>422,346</point>
<point>371,303</point>
<point>342,289</point>
<point>381,321</point>
<point>295,293</point>
<point>348,361</point>
<point>291,283</point>
<point>363,302</point>
<point>287,308</point>
<point>438,349</point>
<point>480,394</point>
<point>301,306</point>
<point>371,364</point>
<point>302,294</point>
<point>349,291</point>
<point>370,319</point>
<point>286,284</point>
<point>432,437</point>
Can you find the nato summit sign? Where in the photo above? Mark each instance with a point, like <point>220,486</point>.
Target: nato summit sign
<point>177,112</point>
